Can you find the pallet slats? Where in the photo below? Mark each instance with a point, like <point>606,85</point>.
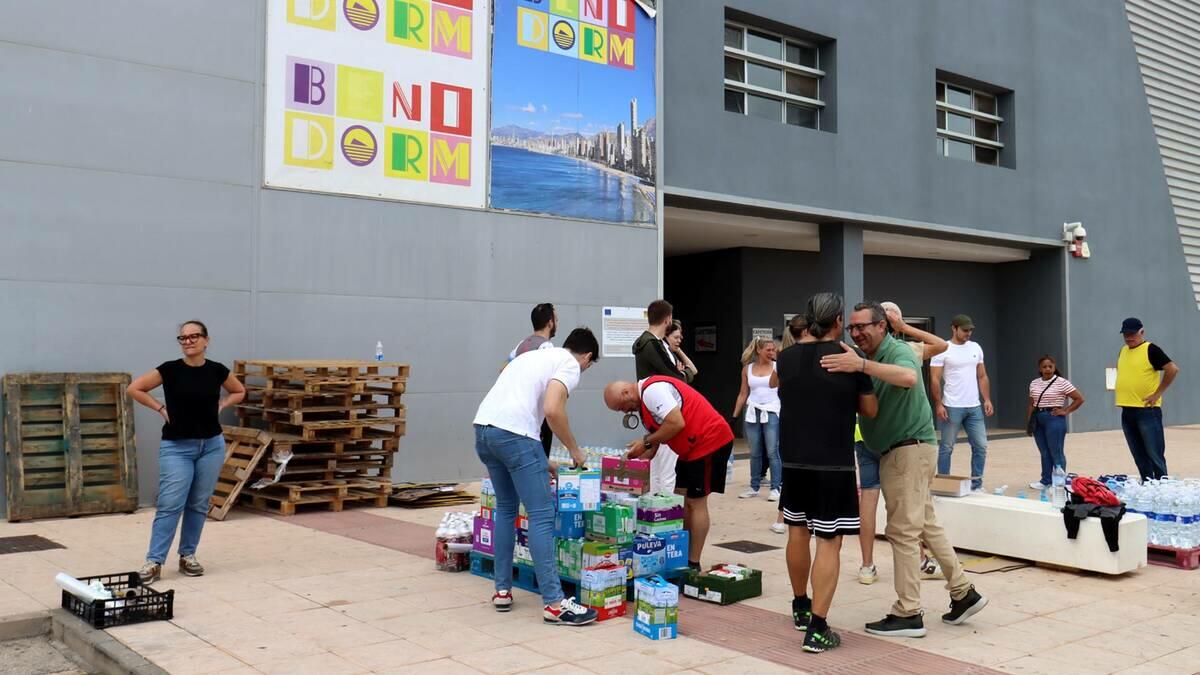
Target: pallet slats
<point>69,442</point>
<point>243,450</point>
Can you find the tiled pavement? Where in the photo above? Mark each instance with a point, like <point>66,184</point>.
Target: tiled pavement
<point>356,592</point>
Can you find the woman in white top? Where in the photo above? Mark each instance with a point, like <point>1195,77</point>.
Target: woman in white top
<point>762,414</point>
<point>1049,394</point>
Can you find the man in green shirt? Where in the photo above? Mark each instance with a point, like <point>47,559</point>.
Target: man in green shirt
<point>902,435</point>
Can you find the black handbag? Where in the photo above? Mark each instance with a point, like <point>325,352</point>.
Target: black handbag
<point>1031,423</point>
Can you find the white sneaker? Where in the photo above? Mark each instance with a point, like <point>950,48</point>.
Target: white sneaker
<point>931,569</point>
<point>774,496</point>
<point>1037,485</point>
<point>867,575</point>
<point>748,494</point>
<point>778,528</point>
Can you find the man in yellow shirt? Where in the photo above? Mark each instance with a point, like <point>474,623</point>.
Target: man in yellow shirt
<point>1140,388</point>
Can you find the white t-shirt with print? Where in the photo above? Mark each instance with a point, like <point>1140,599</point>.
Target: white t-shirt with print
<point>660,399</point>
<point>960,363</point>
<point>515,401</point>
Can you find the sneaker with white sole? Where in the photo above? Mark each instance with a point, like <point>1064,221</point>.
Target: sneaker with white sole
<point>867,575</point>
<point>150,572</point>
<point>190,566</point>
<point>965,607</point>
<point>502,601</point>
<point>774,496</point>
<point>779,528</point>
<point>931,569</point>
<point>568,613</point>
<point>748,494</point>
<point>898,626</point>
<point>1037,485</point>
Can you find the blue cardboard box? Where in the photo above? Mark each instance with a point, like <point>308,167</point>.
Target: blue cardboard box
<point>656,631</point>
<point>675,544</point>
<point>569,525</point>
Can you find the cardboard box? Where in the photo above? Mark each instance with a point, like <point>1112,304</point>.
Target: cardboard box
<point>602,587</point>
<point>521,553</point>
<point>658,529</point>
<point>613,523</point>
<point>649,555</point>
<point>522,522</point>
<point>625,475</point>
<point>481,539</point>
<point>570,557</point>
<point>667,631</point>
<point>656,592</point>
<point>618,498</point>
<point>578,490</point>
<point>652,615</point>
<point>487,501</point>
<point>625,557</point>
<point>951,486</point>
<point>487,513</point>
<point>570,525</point>
<point>675,547</point>
<point>660,508</point>
<point>596,553</point>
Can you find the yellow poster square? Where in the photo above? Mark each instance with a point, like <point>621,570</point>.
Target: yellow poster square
<point>313,13</point>
<point>406,153</point>
<point>593,43</point>
<point>360,93</point>
<point>408,23</point>
<point>308,140</point>
<point>533,29</point>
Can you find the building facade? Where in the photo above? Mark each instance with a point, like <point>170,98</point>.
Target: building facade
<point>926,152</point>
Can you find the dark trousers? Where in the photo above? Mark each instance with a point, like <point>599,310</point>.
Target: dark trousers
<point>1143,429</point>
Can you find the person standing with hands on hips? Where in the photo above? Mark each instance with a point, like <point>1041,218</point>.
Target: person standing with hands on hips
<point>957,400</point>
<point>1140,389</point>
<point>1047,416</point>
<point>192,450</point>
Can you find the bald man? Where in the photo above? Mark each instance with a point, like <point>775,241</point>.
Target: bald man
<point>680,417</point>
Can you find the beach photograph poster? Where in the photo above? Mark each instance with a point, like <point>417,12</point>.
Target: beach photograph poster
<point>573,109</point>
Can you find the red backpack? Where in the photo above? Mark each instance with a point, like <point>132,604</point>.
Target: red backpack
<point>1092,491</point>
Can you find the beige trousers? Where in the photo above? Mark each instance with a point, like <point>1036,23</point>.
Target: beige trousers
<point>905,475</point>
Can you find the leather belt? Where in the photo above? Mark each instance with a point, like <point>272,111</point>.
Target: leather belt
<point>904,443</point>
<point>1046,409</point>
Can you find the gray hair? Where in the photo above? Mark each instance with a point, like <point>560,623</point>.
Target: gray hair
<point>822,313</point>
<point>877,313</point>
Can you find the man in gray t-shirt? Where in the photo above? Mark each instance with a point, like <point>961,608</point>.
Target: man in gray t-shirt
<point>545,324</point>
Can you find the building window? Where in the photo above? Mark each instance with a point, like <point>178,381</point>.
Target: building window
<point>772,76</point>
<point>967,124</point>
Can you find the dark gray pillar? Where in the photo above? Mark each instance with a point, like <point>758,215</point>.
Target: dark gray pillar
<point>842,261</point>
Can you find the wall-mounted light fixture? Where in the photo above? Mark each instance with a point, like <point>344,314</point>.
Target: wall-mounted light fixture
<point>1075,237</point>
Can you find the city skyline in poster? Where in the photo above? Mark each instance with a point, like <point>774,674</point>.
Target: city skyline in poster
<point>573,129</point>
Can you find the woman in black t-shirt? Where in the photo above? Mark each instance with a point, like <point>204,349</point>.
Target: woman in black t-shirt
<point>192,450</point>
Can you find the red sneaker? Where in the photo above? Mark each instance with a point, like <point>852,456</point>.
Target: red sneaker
<point>502,601</point>
<point>568,613</point>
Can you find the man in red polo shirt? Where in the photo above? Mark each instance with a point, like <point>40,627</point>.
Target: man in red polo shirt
<point>677,415</point>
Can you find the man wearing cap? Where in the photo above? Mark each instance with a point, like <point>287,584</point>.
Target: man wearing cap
<point>957,400</point>
<point>1140,388</point>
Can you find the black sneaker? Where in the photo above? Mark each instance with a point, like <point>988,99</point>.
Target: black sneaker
<point>965,607</point>
<point>898,626</point>
<point>817,641</point>
<point>801,615</point>
<point>568,613</point>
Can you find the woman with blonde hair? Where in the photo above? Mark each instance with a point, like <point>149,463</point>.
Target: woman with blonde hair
<point>761,402</point>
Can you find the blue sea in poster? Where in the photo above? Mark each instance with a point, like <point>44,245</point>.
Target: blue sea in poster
<point>530,181</point>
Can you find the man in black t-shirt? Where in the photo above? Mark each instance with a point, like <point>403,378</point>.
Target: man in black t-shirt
<point>816,442</point>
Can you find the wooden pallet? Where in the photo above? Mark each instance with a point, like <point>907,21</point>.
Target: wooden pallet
<point>244,448</point>
<point>312,377</point>
<point>69,444</point>
<point>1165,556</point>
<point>284,498</point>
<point>303,414</point>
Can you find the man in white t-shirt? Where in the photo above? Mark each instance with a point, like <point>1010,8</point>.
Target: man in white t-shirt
<point>958,382</point>
<point>508,424</point>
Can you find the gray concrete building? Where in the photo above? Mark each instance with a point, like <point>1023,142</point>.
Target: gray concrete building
<point>131,176</point>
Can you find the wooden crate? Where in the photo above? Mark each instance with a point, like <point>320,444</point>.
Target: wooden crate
<point>69,444</point>
<point>244,449</point>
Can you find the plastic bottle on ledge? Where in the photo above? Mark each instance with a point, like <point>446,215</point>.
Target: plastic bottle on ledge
<point>379,351</point>
<point>1059,483</point>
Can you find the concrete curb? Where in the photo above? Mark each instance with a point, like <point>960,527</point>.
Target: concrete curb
<point>22,626</point>
<point>98,649</point>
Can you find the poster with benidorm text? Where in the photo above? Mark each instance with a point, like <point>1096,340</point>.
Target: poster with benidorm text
<point>379,98</point>
<point>573,109</point>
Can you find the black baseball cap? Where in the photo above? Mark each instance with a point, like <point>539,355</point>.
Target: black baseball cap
<point>1131,325</point>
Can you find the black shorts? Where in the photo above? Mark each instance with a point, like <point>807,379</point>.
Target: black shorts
<point>824,501</point>
<point>704,476</point>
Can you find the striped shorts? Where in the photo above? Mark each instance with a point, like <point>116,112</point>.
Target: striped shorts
<point>826,502</point>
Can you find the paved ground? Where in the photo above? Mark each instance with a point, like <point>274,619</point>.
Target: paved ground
<point>36,656</point>
<point>357,592</point>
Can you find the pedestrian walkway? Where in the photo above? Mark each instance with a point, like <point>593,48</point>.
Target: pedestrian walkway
<point>356,592</point>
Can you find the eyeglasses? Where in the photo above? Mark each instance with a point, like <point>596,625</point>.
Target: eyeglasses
<point>860,327</point>
<point>190,337</point>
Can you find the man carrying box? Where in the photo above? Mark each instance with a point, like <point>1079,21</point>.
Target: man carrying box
<point>676,414</point>
<point>508,424</point>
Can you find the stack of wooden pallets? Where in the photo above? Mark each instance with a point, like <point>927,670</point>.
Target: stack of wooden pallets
<point>334,426</point>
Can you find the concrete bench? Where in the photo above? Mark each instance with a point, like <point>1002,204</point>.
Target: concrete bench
<point>1033,530</point>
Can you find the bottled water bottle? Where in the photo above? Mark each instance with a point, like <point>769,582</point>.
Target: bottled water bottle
<point>1059,481</point>
<point>379,351</point>
<point>729,469</point>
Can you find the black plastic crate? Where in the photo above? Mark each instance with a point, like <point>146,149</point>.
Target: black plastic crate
<point>146,605</point>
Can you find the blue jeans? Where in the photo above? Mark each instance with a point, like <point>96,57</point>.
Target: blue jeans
<point>1143,429</point>
<point>970,419</point>
<point>868,467</point>
<point>187,474</point>
<point>520,474</point>
<point>1050,436</point>
<point>763,439</point>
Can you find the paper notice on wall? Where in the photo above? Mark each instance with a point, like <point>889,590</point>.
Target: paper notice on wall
<point>1110,379</point>
<point>621,327</point>
<point>765,333</point>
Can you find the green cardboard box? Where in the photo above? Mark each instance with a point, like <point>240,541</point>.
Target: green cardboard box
<point>612,523</point>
